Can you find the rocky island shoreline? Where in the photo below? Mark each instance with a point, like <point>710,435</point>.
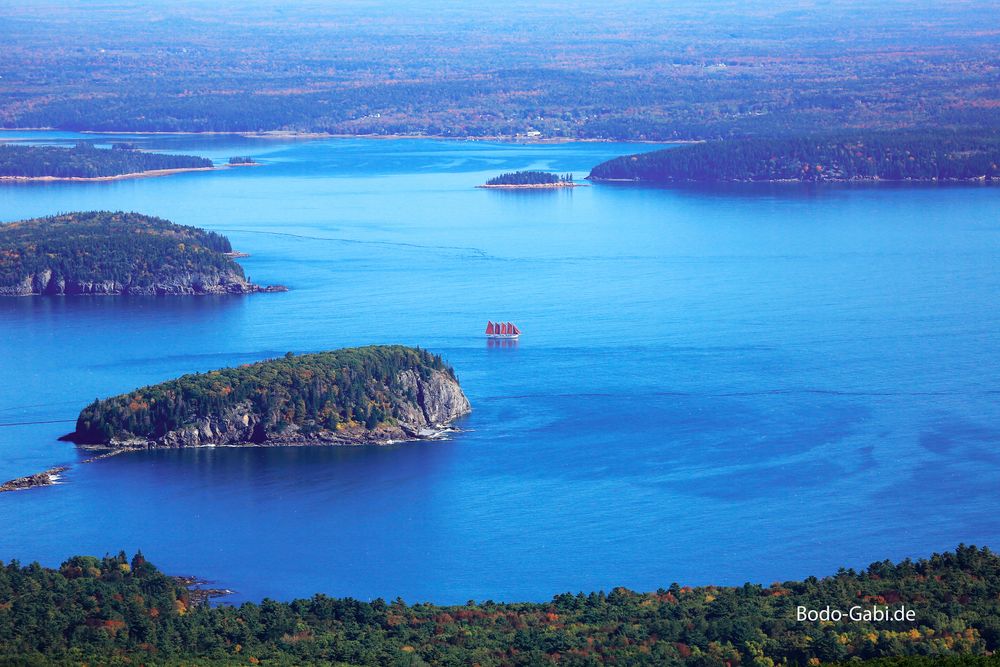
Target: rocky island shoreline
<point>376,395</point>
<point>117,253</point>
<point>357,396</point>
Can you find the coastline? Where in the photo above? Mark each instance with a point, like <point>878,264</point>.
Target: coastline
<point>365,439</point>
<point>798,181</point>
<point>200,596</point>
<point>257,289</point>
<point>152,173</point>
<point>44,478</point>
<point>52,476</point>
<point>293,134</point>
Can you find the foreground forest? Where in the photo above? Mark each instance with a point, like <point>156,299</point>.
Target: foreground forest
<point>856,156</point>
<point>609,70</point>
<point>116,611</point>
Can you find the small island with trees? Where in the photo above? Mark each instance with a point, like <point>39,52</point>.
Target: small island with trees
<point>120,611</point>
<point>85,162</point>
<point>907,156</point>
<point>103,253</point>
<point>367,395</point>
<point>531,179</point>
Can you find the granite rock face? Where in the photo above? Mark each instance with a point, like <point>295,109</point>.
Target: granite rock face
<point>426,407</point>
<point>115,252</point>
<point>222,282</point>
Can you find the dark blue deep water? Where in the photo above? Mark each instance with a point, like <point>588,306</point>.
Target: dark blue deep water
<point>714,385</point>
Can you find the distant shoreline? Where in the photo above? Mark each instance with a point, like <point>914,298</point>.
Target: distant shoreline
<point>291,134</point>
<point>152,173</point>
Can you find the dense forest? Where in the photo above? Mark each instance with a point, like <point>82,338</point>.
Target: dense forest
<point>690,70</point>
<point>115,611</point>
<point>893,156</point>
<point>86,161</point>
<point>305,393</point>
<point>530,178</point>
<point>103,252</point>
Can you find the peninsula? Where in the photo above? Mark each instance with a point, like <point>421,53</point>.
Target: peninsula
<point>354,396</point>
<point>874,156</point>
<point>85,162</point>
<point>531,179</point>
<point>102,252</point>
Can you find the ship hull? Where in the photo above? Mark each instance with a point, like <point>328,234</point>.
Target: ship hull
<point>507,336</point>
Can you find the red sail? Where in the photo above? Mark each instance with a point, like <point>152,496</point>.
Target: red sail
<point>516,330</point>
<point>510,328</point>
<point>506,328</point>
<point>489,328</point>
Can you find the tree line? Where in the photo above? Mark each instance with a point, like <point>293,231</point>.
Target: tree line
<point>530,178</point>
<point>866,156</point>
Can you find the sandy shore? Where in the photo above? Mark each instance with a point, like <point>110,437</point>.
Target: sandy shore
<point>152,173</point>
<point>118,177</point>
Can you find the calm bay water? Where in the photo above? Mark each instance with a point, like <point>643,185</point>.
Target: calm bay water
<point>715,385</point>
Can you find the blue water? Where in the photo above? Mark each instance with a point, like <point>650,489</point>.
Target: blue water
<point>715,385</point>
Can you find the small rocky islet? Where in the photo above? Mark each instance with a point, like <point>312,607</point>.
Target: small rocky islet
<point>44,478</point>
<point>109,253</point>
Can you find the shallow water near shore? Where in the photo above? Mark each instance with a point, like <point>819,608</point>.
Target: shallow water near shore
<point>715,384</point>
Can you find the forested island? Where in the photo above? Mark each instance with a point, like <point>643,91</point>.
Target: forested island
<point>103,252</point>
<point>86,162</point>
<point>530,179</point>
<point>366,395</point>
<point>114,610</point>
<point>887,156</point>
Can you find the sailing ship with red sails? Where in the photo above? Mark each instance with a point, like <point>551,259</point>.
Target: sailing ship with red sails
<point>502,330</point>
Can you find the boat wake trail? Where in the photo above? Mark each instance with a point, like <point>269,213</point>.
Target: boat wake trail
<point>468,250</point>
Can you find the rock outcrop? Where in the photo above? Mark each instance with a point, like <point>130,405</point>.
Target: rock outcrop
<point>418,399</point>
<point>222,282</point>
<point>45,478</point>
<point>439,402</point>
<point>105,252</point>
